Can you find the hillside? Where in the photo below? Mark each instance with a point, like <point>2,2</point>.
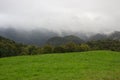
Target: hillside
<point>55,45</point>
<point>115,35</point>
<point>98,37</point>
<point>36,37</point>
<point>41,36</point>
<point>64,40</point>
<point>92,65</point>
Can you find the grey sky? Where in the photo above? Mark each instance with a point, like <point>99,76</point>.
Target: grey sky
<point>73,15</point>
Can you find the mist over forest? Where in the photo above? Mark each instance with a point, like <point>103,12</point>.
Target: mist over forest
<point>29,27</point>
<point>36,21</point>
<point>41,36</point>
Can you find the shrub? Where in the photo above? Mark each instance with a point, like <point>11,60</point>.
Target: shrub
<point>59,49</point>
<point>84,47</point>
<point>47,49</point>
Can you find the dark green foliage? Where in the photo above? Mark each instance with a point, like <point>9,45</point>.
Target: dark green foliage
<point>70,47</point>
<point>105,45</point>
<point>8,47</point>
<point>29,50</point>
<point>59,49</point>
<point>84,47</point>
<point>11,48</point>
<point>47,49</point>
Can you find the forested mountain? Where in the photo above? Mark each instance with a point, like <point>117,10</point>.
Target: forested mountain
<point>64,40</point>
<point>41,36</point>
<point>34,37</point>
<point>112,36</point>
<point>56,45</point>
<point>115,35</point>
<point>11,48</point>
<point>98,37</point>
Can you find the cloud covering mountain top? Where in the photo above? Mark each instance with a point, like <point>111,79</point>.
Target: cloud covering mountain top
<point>58,15</point>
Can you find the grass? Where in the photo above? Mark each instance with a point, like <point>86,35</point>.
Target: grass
<point>91,65</point>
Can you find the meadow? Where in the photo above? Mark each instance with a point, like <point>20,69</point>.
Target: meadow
<point>91,65</point>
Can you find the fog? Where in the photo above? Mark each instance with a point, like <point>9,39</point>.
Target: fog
<point>61,15</point>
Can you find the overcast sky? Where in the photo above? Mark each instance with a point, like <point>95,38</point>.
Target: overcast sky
<point>73,15</point>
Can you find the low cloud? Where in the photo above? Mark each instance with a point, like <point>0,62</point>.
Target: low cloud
<point>61,15</point>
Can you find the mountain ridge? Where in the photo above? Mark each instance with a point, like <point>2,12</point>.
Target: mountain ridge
<point>63,40</point>
<point>40,37</point>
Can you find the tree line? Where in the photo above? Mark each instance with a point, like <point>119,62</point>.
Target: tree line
<point>11,48</point>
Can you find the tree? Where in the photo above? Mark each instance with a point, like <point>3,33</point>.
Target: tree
<point>47,49</point>
<point>70,47</point>
<point>84,47</point>
<point>59,49</point>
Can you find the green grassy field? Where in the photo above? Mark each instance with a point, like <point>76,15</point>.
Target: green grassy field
<point>92,65</point>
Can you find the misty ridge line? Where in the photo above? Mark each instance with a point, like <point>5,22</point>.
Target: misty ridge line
<point>45,32</point>
<point>40,36</point>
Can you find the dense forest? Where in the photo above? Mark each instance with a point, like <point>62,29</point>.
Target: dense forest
<point>57,45</point>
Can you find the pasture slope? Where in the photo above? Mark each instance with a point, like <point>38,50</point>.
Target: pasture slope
<point>91,65</point>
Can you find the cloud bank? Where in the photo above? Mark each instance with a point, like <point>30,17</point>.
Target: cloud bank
<point>59,15</point>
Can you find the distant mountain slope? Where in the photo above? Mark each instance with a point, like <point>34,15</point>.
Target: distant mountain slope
<point>35,37</point>
<point>115,35</point>
<point>98,37</point>
<point>6,41</point>
<point>41,36</point>
<point>64,40</point>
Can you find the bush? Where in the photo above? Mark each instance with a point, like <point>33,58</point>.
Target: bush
<point>84,47</point>
<point>70,47</point>
<point>47,49</point>
<point>59,49</point>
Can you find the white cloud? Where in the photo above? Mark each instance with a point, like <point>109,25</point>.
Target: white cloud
<point>74,15</point>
